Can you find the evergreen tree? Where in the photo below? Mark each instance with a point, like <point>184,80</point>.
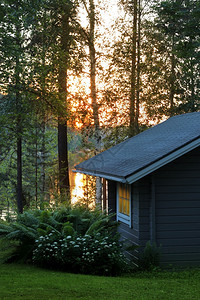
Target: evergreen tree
<point>179,22</point>
<point>133,7</point>
<point>55,33</point>
<point>15,24</point>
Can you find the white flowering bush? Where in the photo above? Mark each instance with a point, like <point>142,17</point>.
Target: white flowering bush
<point>91,254</point>
<point>71,238</point>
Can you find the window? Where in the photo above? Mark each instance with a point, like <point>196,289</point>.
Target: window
<point>124,203</point>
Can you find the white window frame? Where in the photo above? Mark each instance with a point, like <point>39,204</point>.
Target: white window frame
<point>122,217</point>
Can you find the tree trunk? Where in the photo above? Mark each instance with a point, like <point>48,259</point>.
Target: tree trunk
<point>43,150</point>
<point>172,79</point>
<point>43,125</point>
<point>64,184</point>
<point>192,88</point>
<point>19,175</point>
<point>133,72</point>
<point>19,148</point>
<point>192,82</point>
<point>93,91</point>
<point>137,108</point>
<point>36,167</point>
<point>18,125</point>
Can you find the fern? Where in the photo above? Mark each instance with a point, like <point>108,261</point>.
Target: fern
<point>48,228</point>
<point>72,221</point>
<point>21,232</point>
<point>103,223</point>
<point>28,219</point>
<point>5,229</point>
<point>95,227</point>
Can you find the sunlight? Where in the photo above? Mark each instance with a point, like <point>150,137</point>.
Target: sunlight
<point>78,190</point>
<point>83,189</point>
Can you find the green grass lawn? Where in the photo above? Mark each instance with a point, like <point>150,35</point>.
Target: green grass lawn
<point>28,282</point>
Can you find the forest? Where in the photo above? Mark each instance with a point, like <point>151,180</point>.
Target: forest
<point>79,76</point>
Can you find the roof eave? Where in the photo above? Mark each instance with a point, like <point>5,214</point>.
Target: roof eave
<point>102,175</point>
<point>163,161</point>
<point>146,170</point>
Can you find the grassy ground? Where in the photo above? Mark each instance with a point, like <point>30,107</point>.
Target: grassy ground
<point>27,282</point>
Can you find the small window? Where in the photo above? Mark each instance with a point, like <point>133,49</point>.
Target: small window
<point>124,203</point>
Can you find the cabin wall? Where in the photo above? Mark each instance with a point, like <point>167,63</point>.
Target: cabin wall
<point>177,210</point>
<point>169,210</point>
<point>144,212</point>
<point>166,210</point>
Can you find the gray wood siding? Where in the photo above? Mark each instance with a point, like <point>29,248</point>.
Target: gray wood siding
<point>177,188</point>
<point>177,211</point>
<point>144,213</point>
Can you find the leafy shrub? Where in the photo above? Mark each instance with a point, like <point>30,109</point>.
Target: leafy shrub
<point>150,258</point>
<point>23,238</point>
<point>6,249</point>
<point>70,238</point>
<point>95,254</point>
<point>84,220</point>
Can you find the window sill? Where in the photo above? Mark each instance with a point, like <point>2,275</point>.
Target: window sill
<point>124,219</point>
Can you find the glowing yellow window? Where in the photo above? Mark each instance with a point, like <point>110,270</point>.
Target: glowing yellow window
<point>124,199</point>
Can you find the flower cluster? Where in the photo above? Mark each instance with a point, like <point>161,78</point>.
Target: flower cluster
<point>86,254</point>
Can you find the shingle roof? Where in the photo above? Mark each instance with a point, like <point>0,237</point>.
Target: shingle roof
<point>144,149</point>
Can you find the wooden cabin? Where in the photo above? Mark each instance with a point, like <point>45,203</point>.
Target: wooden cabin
<point>153,184</point>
